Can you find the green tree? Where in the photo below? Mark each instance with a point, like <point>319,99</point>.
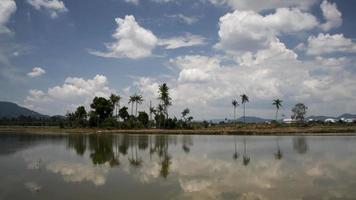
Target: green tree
<point>299,112</point>
<point>234,104</point>
<point>102,107</point>
<point>132,101</point>
<point>81,116</point>
<point>143,118</point>
<point>186,119</point>
<point>244,100</point>
<point>278,104</point>
<point>123,114</point>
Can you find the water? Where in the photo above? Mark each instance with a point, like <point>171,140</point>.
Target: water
<point>177,167</point>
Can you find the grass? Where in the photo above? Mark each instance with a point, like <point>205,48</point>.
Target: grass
<point>249,129</point>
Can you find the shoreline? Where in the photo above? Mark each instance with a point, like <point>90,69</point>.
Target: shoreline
<point>282,131</point>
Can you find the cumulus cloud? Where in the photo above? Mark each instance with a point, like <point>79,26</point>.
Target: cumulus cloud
<point>205,82</point>
<point>37,71</point>
<point>327,44</point>
<point>7,8</point>
<point>132,40</point>
<point>250,31</point>
<point>187,40</point>
<point>257,5</point>
<point>331,14</point>
<point>75,91</point>
<point>54,7</point>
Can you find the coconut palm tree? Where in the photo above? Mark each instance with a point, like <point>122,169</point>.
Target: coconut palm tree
<point>164,97</point>
<point>278,104</point>
<point>244,100</point>
<point>138,100</point>
<point>115,100</point>
<point>132,100</point>
<point>234,104</point>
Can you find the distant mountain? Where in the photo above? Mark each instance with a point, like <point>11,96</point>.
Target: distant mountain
<point>320,118</point>
<point>323,118</point>
<point>249,119</point>
<point>12,110</point>
<point>347,116</point>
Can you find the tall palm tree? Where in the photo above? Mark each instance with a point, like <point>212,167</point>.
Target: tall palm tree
<point>278,104</point>
<point>164,97</point>
<point>132,100</point>
<point>244,100</point>
<point>234,104</point>
<point>115,100</point>
<point>138,100</point>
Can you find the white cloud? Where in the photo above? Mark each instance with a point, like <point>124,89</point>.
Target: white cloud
<point>132,40</point>
<point>75,91</point>
<point>7,8</point>
<point>187,40</point>
<point>331,14</point>
<point>52,6</point>
<point>250,31</point>
<point>327,44</point>
<point>186,19</point>
<point>257,5</point>
<point>206,84</point>
<point>76,172</point>
<point>37,71</point>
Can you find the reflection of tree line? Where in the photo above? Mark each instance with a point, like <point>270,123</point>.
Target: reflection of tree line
<point>300,145</point>
<point>107,148</point>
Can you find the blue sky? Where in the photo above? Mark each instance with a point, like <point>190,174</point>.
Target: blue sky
<point>58,54</point>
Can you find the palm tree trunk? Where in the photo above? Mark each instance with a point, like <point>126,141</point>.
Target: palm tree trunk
<point>235,116</point>
<point>277,114</point>
<point>131,108</point>
<point>136,109</point>
<point>244,115</point>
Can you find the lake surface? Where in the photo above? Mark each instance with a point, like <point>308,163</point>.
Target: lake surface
<point>102,167</point>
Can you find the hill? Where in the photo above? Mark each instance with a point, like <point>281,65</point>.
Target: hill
<point>249,119</point>
<point>12,110</point>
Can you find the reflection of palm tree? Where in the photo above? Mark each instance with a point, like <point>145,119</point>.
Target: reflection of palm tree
<point>245,158</point>
<point>187,141</point>
<point>300,145</point>
<point>236,155</point>
<point>135,161</point>
<point>115,161</point>
<point>278,155</point>
<point>165,166</point>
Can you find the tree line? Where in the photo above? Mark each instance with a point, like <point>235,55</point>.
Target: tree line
<point>108,112</point>
<point>299,111</point>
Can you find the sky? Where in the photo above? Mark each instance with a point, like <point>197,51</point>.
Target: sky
<point>58,54</point>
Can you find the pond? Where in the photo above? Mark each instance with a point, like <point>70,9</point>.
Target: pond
<point>177,167</point>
